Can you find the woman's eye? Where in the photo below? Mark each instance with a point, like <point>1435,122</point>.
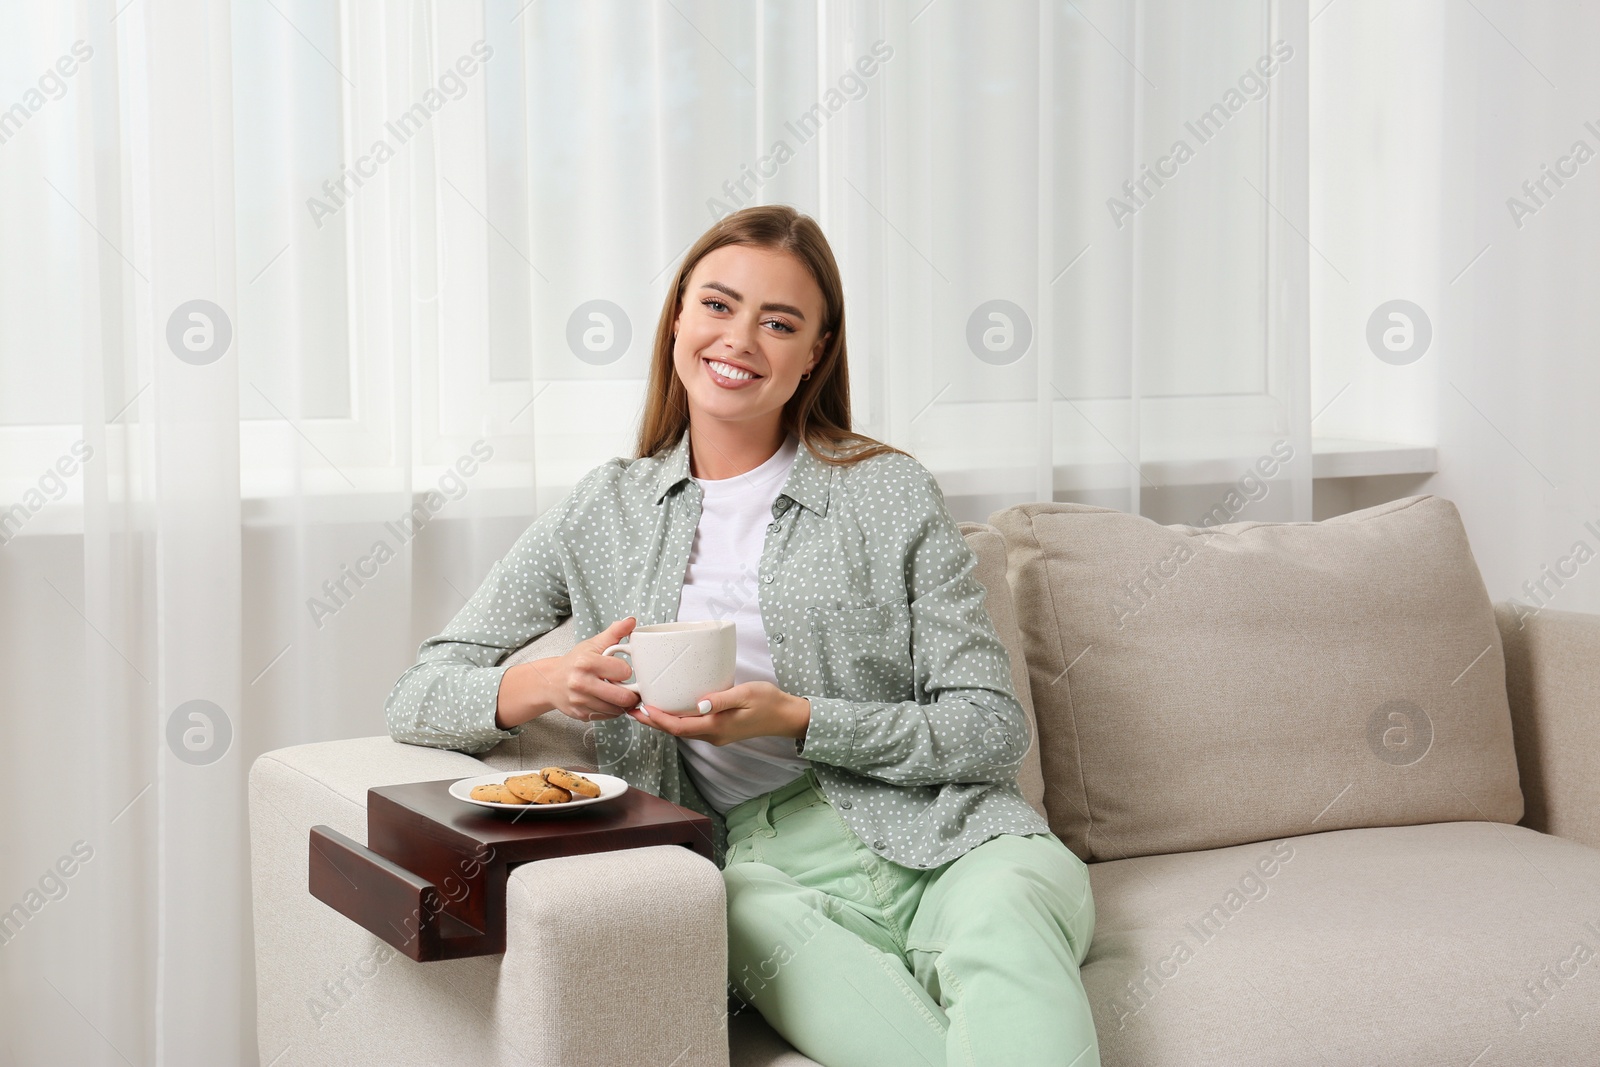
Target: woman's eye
<point>714,305</point>
<point>780,322</point>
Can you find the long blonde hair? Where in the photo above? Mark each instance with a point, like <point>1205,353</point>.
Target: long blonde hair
<point>818,414</point>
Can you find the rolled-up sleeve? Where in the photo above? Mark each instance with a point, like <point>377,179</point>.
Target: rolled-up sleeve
<point>965,723</point>
<point>449,698</point>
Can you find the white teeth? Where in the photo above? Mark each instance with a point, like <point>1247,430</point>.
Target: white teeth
<point>730,372</point>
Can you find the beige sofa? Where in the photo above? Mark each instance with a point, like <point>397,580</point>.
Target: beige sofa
<point>1338,810</point>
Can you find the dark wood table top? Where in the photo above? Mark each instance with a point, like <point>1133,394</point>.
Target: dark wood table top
<point>431,879</point>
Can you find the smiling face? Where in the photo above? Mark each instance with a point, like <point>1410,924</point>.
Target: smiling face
<point>749,326</point>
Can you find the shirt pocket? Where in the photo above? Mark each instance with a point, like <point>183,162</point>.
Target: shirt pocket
<point>863,652</point>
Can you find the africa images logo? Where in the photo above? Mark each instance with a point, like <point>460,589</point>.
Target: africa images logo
<point>451,486</point>
<point>851,85</point>
<point>1253,84</point>
<point>452,85</point>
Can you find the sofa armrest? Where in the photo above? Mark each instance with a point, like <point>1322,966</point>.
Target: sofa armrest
<point>643,929</point>
<point>616,957</point>
<point>1553,684</point>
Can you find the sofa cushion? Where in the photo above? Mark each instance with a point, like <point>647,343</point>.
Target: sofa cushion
<point>1203,687</point>
<point>754,1043</point>
<point>1456,943</point>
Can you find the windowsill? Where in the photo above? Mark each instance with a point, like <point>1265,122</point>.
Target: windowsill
<point>1346,457</point>
<point>1332,457</point>
<point>507,491</point>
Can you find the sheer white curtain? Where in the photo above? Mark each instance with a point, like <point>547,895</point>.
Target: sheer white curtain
<point>307,308</point>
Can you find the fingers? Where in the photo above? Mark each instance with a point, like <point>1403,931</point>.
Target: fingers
<point>691,726</point>
<point>612,634</point>
<point>667,724</point>
<point>592,680</point>
<point>605,700</point>
<point>594,713</point>
<point>609,668</point>
<point>588,697</point>
<point>603,691</point>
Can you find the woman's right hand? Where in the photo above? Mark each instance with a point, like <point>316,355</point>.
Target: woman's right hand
<point>581,684</point>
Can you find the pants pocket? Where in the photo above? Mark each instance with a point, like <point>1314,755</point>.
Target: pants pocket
<point>742,851</point>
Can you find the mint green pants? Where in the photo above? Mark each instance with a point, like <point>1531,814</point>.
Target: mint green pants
<point>857,960</point>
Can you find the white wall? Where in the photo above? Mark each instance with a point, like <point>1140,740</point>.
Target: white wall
<point>1426,118</point>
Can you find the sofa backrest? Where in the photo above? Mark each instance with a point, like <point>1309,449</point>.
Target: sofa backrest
<point>552,738</point>
<point>987,545</point>
<point>1203,687</point>
<point>1552,677</point>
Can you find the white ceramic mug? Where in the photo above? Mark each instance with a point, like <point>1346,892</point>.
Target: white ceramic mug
<point>675,664</point>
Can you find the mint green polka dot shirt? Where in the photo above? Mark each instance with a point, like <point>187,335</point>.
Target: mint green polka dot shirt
<point>871,610</point>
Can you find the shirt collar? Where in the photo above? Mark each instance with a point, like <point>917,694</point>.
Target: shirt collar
<point>807,484</point>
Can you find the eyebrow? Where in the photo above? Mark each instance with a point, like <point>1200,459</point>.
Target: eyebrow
<point>787,308</point>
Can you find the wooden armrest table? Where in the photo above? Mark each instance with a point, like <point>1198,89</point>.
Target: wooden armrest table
<point>431,880</point>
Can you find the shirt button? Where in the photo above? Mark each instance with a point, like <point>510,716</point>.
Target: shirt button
<point>844,803</point>
<point>767,579</point>
<point>772,526</point>
<point>877,844</point>
<point>777,639</point>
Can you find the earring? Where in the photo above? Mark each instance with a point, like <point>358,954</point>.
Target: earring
<point>805,376</point>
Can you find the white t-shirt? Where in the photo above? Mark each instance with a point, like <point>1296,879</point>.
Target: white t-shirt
<point>722,583</point>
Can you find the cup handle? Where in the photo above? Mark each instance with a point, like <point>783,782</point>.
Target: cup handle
<point>631,682</point>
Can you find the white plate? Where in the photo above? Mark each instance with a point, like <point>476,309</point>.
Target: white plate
<point>610,786</point>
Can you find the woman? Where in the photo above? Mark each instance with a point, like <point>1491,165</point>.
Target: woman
<point>892,898</point>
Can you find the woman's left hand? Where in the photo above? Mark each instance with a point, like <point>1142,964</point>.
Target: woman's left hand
<point>750,709</point>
